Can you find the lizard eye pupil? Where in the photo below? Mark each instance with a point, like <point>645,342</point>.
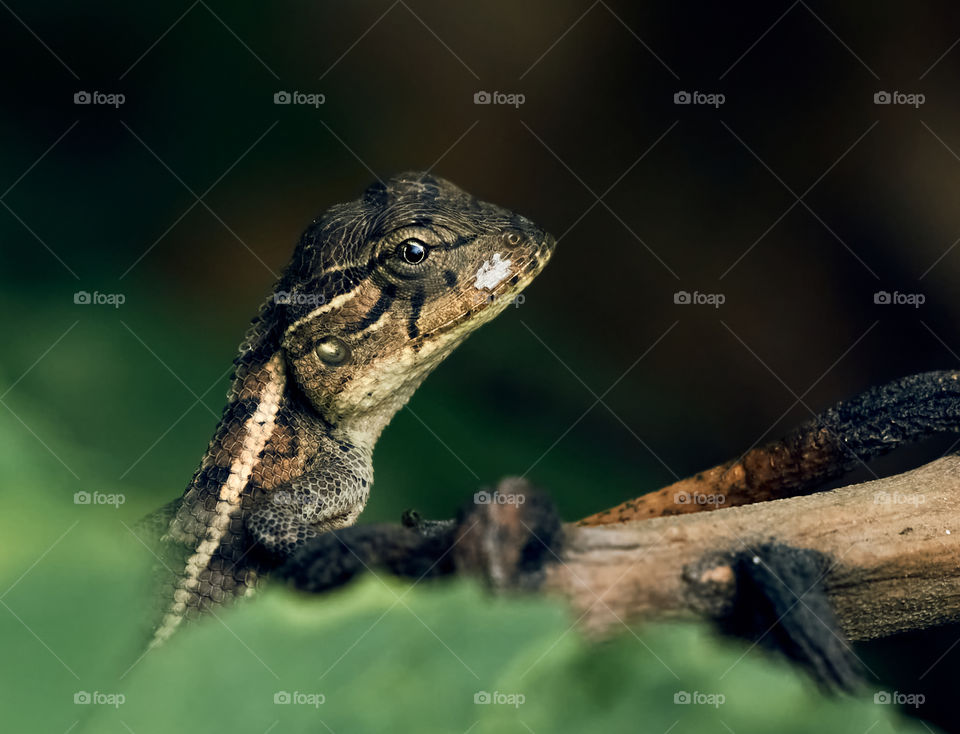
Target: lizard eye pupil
<point>413,251</point>
<point>332,350</point>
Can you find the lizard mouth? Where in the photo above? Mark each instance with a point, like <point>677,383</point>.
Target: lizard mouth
<point>530,266</point>
<point>498,283</point>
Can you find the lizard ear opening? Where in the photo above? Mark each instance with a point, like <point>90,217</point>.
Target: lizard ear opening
<point>332,351</point>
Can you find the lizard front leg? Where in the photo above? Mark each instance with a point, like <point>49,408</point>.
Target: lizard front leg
<point>330,494</point>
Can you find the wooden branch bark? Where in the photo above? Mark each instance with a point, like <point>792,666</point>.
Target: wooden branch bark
<point>893,547</point>
<point>873,559</point>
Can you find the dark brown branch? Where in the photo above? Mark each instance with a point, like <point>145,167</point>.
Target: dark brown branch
<point>827,446</point>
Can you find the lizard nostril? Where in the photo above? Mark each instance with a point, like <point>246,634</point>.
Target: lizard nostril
<point>512,237</point>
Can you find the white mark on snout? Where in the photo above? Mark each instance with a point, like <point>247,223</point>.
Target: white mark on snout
<point>492,273</point>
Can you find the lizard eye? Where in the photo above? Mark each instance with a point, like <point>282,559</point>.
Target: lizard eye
<point>412,251</point>
<point>332,350</point>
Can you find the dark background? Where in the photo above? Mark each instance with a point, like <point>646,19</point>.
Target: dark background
<point>694,198</point>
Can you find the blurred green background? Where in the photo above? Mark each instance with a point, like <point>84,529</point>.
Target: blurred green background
<point>692,198</point>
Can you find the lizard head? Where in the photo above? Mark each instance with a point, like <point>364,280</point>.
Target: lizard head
<point>383,288</point>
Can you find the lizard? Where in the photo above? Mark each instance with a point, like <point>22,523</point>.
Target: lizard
<point>378,292</point>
